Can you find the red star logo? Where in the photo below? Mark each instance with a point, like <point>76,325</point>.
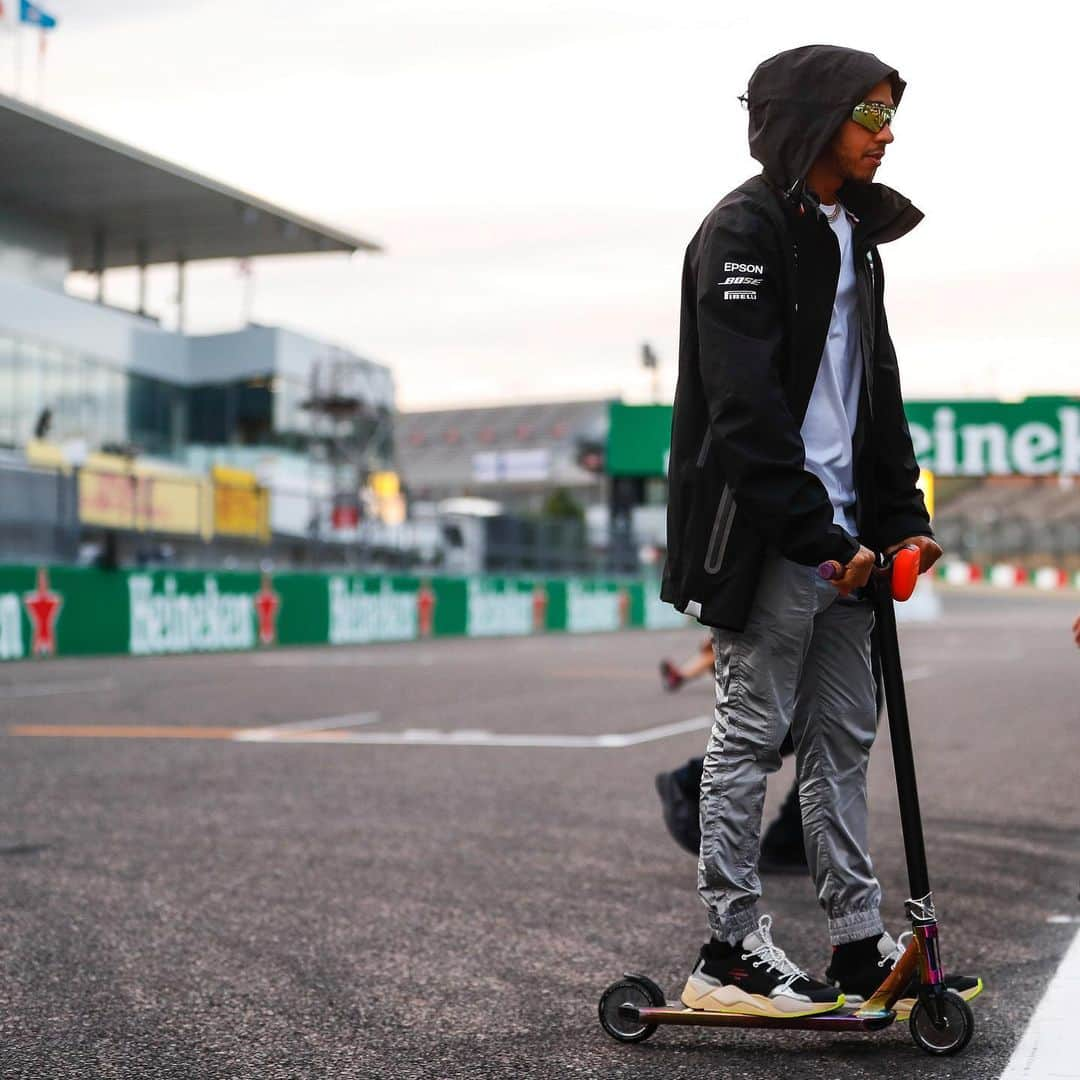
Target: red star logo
<point>539,609</point>
<point>267,606</point>
<point>43,608</point>
<point>425,610</point>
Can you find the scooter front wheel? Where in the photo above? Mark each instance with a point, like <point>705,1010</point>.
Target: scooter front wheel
<point>632,990</point>
<point>954,1033</point>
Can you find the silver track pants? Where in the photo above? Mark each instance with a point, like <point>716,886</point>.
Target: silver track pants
<point>803,661</point>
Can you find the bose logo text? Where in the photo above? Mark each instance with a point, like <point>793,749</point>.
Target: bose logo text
<point>743,268</point>
<point>742,279</point>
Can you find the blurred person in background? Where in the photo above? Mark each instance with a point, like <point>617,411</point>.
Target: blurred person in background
<point>782,849</point>
<point>673,676</point>
<point>790,448</point>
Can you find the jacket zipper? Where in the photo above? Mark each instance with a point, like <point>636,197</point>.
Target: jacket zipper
<point>871,315</point>
<point>795,275</point>
<point>721,532</point>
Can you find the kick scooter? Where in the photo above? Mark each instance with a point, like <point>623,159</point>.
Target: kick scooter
<point>941,1021</point>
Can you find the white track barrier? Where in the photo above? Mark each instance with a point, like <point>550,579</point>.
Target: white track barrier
<point>924,605</point>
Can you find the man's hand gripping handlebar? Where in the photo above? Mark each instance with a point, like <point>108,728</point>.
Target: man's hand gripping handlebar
<point>853,575</point>
<point>901,564</point>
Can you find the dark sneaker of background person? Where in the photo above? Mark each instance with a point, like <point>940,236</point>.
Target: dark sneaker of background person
<point>670,677</point>
<point>782,849</point>
<point>680,811</point>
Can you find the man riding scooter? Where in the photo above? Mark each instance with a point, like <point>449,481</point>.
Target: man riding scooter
<point>790,449</point>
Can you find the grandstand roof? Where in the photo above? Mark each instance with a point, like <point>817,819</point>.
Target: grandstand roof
<point>119,206</point>
<point>437,450</point>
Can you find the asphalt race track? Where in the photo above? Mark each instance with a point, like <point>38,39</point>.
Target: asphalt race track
<point>450,850</point>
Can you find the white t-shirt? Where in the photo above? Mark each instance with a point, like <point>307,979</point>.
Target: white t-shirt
<point>829,427</point>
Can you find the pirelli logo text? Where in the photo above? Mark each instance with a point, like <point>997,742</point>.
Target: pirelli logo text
<point>743,274</point>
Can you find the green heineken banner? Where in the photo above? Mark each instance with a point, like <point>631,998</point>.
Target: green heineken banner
<point>68,611</point>
<point>1034,437</point>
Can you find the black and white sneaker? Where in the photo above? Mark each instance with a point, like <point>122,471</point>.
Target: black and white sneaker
<point>755,979</point>
<point>860,968</point>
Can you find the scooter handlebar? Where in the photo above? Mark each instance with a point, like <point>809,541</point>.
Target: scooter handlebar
<point>901,569</point>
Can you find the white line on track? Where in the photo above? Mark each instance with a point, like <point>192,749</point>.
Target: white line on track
<point>304,729</point>
<point>45,689</point>
<point>1049,1047</point>
<point>349,660</point>
<point>918,674</point>
<point>473,737</point>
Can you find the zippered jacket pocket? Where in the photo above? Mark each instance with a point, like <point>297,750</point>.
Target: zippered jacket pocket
<point>721,531</point>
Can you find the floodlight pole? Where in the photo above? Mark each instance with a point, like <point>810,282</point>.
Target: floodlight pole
<point>18,58</point>
<point>99,263</point>
<point>181,290</point>
<point>141,254</point>
<point>651,362</point>
<point>41,67</point>
<point>247,271</point>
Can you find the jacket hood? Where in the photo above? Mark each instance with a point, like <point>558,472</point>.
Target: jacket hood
<point>799,98</point>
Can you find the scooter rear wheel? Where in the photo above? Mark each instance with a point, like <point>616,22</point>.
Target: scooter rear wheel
<point>635,990</point>
<point>953,1036</point>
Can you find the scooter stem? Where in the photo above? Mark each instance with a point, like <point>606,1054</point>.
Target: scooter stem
<point>907,791</point>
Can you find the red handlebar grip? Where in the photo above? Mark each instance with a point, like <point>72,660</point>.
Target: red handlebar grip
<point>902,567</point>
<point>905,572</point>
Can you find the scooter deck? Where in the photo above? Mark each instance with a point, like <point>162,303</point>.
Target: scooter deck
<point>846,1018</point>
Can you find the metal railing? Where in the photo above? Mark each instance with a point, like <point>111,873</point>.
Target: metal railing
<point>44,511</point>
<point>39,516</point>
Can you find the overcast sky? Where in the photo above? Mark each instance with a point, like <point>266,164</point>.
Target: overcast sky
<point>535,170</point>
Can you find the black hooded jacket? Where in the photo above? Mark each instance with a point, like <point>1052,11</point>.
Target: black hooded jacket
<point>737,481</point>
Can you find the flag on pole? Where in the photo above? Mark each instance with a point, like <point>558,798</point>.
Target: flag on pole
<point>33,15</point>
<point>9,15</point>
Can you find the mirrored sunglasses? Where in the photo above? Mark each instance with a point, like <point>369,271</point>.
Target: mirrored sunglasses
<point>873,115</point>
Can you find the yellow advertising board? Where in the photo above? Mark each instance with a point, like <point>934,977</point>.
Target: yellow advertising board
<point>126,499</point>
<point>117,492</point>
<point>45,455</point>
<point>241,506</point>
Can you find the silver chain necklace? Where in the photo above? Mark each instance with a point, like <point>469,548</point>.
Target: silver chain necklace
<point>830,218</point>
